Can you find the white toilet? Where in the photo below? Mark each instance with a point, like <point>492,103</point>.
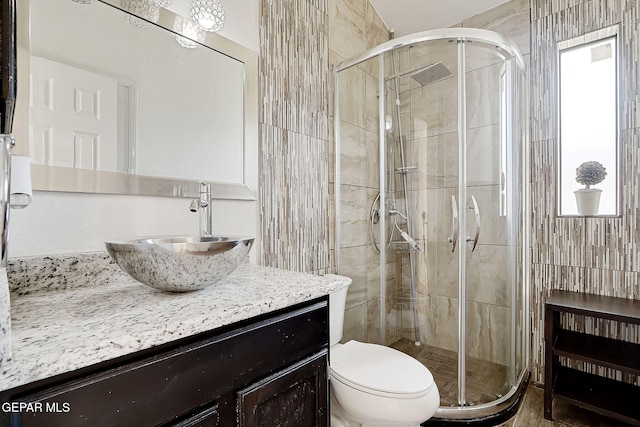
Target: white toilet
<point>374,385</point>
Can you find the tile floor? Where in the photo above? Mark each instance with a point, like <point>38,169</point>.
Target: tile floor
<point>485,380</point>
<point>490,376</point>
<point>531,414</point>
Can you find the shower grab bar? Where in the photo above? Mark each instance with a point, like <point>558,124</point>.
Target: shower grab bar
<point>477,215</point>
<point>454,223</point>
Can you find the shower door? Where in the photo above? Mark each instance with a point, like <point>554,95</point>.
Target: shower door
<point>434,238</point>
<point>487,212</point>
<point>447,109</point>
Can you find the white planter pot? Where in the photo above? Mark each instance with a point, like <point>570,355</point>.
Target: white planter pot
<point>588,200</point>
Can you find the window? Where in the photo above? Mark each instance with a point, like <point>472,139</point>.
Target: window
<point>588,124</point>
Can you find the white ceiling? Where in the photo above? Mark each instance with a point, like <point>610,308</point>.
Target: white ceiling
<point>410,16</point>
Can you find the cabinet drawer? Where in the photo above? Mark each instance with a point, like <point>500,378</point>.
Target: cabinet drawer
<point>208,417</point>
<point>176,382</point>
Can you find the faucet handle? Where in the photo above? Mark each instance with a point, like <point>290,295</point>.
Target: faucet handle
<point>204,206</point>
<point>205,188</point>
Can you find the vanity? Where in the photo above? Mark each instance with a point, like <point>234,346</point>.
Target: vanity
<point>249,351</point>
<point>91,346</point>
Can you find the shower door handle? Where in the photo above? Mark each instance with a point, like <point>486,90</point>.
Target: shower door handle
<point>454,223</point>
<point>476,210</point>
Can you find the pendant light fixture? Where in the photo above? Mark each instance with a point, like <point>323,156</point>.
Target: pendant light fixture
<point>207,14</point>
<point>142,12</point>
<point>188,33</point>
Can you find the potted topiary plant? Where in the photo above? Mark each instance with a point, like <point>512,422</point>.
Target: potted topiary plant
<point>587,198</point>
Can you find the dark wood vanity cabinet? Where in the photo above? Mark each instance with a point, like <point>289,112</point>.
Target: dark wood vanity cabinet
<point>288,398</point>
<point>267,371</point>
<point>605,396</point>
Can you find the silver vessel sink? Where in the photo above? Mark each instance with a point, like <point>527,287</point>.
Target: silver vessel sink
<point>181,263</point>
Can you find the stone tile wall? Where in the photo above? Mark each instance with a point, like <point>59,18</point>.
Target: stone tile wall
<point>598,255</point>
<point>294,128</point>
<point>300,40</point>
<point>593,255</point>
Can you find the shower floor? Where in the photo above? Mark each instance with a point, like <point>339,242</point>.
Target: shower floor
<point>482,377</point>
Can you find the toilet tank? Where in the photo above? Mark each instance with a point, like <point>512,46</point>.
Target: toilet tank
<point>337,304</point>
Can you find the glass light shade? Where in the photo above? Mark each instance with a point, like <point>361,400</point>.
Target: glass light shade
<point>142,12</point>
<point>162,3</point>
<point>188,33</point>
<point>207,14</point>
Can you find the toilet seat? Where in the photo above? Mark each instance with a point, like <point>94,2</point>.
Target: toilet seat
<point>380,370</point>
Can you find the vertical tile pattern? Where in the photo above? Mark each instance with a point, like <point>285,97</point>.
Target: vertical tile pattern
<point>593,255</point>
<point>295,201</point>
<point>300,40</point>
<point>294,184</point>
<point>297,40</point>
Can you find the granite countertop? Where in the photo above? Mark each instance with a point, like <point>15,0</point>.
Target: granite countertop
<point>60,329</point>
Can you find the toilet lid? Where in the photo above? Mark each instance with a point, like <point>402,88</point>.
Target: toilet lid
<point>377,368</point>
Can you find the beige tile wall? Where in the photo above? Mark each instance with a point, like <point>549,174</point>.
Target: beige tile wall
<point>431,123</point>
<point>354,26</point>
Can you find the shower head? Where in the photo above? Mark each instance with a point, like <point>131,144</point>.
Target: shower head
<point>431,73</point>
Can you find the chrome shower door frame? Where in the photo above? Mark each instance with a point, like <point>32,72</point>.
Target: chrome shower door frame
<point>462,219</point>
<point>516,152</point>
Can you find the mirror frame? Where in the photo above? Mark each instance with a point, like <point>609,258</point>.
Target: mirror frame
<point>59,179</point>
<point>585,39</point>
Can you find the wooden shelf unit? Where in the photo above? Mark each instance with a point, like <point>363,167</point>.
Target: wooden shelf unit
<point>602,395</point>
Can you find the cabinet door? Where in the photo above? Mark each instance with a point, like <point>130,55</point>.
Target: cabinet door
<point>294,397</point>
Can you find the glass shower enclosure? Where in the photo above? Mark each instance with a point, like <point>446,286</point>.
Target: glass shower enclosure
<point>430,134</point>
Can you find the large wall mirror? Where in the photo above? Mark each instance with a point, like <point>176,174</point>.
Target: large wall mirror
<point>588,147</point>
<point>121,100</point>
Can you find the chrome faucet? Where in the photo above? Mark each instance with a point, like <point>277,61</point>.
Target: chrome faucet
<point>203,205</point>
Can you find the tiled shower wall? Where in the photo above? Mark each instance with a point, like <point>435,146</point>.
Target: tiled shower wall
<point>355,27</point>
<point>593,255</point>
<point>359,186</point>
<point>434,149</point>
<point>300,40</point>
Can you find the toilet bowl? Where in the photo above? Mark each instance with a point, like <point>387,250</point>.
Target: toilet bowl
<point>374,385</point>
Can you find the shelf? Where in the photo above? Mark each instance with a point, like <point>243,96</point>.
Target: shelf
<point>620,355</point>
<point>602,395</point>
<point>618,309</point>
<point>609,397</point>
